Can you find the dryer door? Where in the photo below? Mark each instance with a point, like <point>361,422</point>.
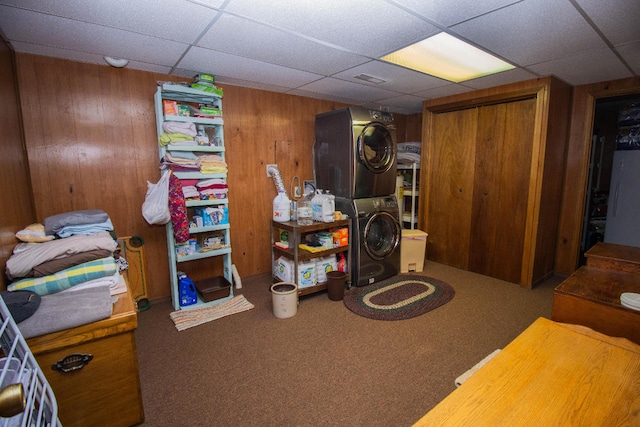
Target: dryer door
<point>382,235</point>
<point>376,148</point>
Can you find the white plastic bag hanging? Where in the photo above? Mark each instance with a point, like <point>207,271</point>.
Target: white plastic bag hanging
<point>155,208</point>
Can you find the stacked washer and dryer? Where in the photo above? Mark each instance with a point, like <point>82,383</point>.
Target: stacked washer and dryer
<point>355,159</point>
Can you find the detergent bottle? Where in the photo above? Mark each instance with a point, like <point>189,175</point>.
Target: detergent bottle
<point>328,207</point>
<point>281,207</point>
<point>187,290</point>
<point>342,262</point>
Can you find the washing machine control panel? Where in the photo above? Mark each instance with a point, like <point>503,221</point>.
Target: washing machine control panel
<point>388,202</point>
<point>381,116</point>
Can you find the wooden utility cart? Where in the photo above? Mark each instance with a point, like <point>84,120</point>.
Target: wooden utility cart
<point>296,235</point>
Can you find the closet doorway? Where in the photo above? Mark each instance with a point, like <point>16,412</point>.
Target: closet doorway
<point>570,231</point>
<point>603,145</point>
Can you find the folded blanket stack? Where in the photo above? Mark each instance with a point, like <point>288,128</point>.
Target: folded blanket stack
<point>215,188</point>
<point>81,257</point>
<point>212,163</point>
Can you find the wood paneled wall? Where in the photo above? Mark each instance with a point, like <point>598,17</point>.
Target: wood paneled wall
<point>17,209</point>
<point>91,138</point>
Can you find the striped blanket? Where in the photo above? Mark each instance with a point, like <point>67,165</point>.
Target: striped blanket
<point>67,278</point>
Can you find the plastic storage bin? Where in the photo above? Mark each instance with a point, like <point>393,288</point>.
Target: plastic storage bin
<point>412,250</point>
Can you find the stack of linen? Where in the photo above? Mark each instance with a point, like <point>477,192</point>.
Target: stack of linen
<point>181,161</point>
<point>178,133</point>
<point>212,163</point>
<point>214,188</point>
<point>409,152</point>
<point>70,262</point>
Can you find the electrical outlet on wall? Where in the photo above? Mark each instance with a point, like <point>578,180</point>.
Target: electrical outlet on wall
<point>268,166</point>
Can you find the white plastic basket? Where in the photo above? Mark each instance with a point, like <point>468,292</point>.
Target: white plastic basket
<point>24,390</point>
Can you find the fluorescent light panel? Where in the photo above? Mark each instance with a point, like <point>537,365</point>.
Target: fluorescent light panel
<point>449,58</point>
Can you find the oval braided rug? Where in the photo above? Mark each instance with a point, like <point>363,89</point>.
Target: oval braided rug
<point>399,297</point>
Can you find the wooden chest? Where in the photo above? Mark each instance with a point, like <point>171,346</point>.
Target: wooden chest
<point>591,297</point>
<point>106,390</point>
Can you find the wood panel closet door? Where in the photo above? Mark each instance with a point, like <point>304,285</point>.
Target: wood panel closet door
<point>501,188</point>
<point>451,174</point>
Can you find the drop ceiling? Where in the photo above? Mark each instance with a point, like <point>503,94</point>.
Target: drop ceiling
<point>330,49</point>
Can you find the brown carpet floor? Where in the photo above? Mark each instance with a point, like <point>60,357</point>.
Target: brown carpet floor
<point>326,365</point>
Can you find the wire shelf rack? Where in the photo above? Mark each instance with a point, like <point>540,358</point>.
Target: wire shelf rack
<point>26,398</point>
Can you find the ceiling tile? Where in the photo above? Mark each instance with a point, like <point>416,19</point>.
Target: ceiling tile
<point>405,102</point>
<point>631,54</point>
<point>225,80</point>
<point>220,63</point>
<point>72,55</point>
<point>532,31</point>
<point>620,22</point>
<point>152,17</point>
<point>395,78</point>
<point>330,85</point>
<point>242,37</point>
<point>503,78</point>
<point>328,97</point>
<point>444,13</point>
<point>580,69</point>
<point>313,48</point>
<point>88,38</point>
<point>369,27</point>
<point>447,90</point>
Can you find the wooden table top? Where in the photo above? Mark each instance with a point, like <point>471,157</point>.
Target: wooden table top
<point>552,374</point>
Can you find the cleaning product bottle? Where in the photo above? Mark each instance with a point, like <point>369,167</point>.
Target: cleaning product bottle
<point>342,262</point>
<point>328,207</point>
<point>187,290</point>
<point>305,215</point>
<point>281,206</point>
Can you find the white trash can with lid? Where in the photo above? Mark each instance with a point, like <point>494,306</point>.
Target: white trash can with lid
<point>412,250</point>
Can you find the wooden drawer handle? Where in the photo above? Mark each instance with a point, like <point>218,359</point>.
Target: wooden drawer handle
<point>72,362</point>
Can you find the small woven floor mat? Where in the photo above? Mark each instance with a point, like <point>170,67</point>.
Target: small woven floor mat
<point>399,297</point>
<point>185,319</point>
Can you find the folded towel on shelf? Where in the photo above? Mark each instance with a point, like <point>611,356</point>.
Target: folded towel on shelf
<point>186,128</point>
<point>167,138</point>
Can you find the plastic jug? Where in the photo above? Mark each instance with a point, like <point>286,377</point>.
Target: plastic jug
<point>342,262</point>
<point>187,288</point>
<point>323,206</point>
<point>305,214</point>
<point>281,206</point>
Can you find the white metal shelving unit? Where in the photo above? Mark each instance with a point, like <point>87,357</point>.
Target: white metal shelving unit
<point>189,95</point>
<point>19,366</point>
